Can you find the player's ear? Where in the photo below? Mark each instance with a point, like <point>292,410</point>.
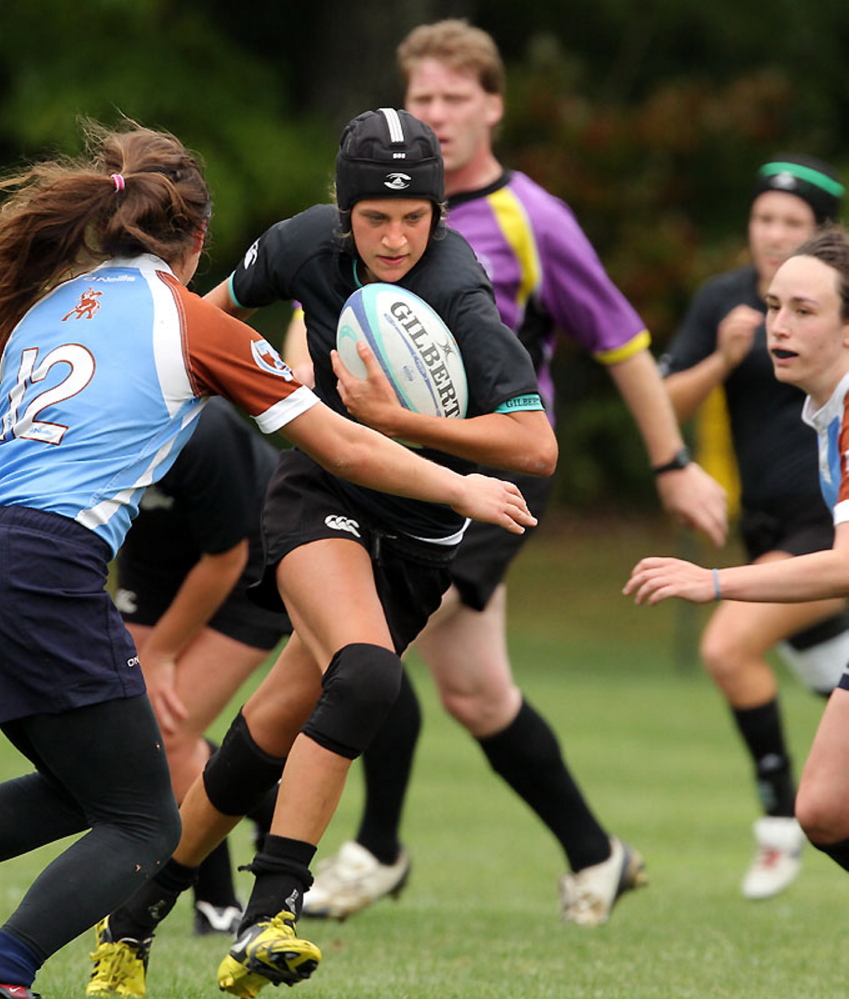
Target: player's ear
<point>494,109</point>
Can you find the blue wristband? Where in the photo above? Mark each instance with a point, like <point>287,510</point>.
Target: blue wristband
<point>717,592</point>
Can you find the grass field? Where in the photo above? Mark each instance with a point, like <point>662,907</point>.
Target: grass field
<point>656,753</point>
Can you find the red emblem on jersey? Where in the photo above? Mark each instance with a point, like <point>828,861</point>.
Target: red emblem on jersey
<point>86,306</point>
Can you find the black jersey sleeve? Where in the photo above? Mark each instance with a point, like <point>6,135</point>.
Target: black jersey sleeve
<point>498,366</point>
<point>268,271</point>
<point>697,336</point>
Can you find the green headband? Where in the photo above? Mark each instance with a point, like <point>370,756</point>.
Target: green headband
<point>808,174</point>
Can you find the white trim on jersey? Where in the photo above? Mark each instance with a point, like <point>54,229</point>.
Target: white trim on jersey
<point>286,410</point>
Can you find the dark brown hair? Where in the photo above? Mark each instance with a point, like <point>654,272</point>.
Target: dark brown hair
<point>830,245</point>
<point>65,214</point>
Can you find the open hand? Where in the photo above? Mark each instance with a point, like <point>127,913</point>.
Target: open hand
<point>658,578</point>
<point>495,501</point>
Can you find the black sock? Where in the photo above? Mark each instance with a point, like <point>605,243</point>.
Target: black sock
<point>282,873</point>
<point>138,917</point>
<point>839,852</point>
<point>387,764</point>
<point>261,816</point>
<point>527,756</point>
<point>214,882</point>
<point>762,732</point>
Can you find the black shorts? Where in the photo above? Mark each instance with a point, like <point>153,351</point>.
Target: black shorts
<point>63,644</point>
<point>304,504</point>
<point>487,550</point>
<point>143,600</point>
<point>798,529</point>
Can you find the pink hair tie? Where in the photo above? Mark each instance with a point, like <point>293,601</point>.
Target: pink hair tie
<point>118,181</point>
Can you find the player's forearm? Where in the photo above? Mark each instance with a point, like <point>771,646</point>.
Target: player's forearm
<point>205,588</point>
<point>641,387</point>
<point>688,389</point>
<point>521,442</point>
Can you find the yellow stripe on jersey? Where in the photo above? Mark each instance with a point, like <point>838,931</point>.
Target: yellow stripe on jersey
<point>516,229</point>
<point>715,447</point>
<point>621,353</point>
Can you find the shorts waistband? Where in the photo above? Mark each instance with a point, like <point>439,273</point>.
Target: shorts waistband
<point>56,525</point>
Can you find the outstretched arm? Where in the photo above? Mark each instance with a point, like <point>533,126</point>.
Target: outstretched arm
<point>359,454</point>
<point>816,576</point>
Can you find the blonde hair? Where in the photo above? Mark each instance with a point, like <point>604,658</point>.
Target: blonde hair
<point>458,44</point>
<point>135,191</point>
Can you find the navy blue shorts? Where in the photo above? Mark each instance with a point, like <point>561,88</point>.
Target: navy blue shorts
<point>63,644</point>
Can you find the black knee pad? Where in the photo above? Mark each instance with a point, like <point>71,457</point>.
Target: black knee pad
<point>239,774</point>
<point>358,689</point>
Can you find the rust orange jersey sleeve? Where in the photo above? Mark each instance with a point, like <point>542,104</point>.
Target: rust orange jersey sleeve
<point>224,356</point>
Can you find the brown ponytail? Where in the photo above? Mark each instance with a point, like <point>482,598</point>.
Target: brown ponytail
<point>68,213</point>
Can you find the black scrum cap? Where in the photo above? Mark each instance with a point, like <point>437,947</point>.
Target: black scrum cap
<point>388,154</point>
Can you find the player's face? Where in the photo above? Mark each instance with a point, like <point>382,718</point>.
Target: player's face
<point>391,235</point>
<point>807,337</point>
<point>457,108</point>
<point>778,224</point>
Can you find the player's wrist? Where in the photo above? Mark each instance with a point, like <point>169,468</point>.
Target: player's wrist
<point>681,459</point>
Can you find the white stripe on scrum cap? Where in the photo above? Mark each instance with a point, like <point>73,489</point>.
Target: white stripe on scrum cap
<point>393,122</point>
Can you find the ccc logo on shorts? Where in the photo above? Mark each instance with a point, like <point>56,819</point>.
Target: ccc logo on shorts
<point>337,523</point>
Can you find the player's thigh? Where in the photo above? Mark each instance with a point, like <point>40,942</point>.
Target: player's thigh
<point>329,590</point>
<point>466,650</point>
<point>750,630</point>
<point>209,673</point>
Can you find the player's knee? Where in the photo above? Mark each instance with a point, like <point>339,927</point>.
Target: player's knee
<point>239,774</point>
<point>822,822</point>
<point>721,654</point>
<point>481,709</point>
<point>358,690</point>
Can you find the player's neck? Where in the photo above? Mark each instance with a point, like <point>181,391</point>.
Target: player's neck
<point>480,172</point>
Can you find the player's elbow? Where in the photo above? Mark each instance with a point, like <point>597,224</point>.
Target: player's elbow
<point>540,457</point>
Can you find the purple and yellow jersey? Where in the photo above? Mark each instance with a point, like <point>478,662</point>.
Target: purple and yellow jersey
<point>546,275</point>
<point>831,423</point>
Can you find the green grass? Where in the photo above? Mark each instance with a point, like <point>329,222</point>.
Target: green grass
<point>654,749</point>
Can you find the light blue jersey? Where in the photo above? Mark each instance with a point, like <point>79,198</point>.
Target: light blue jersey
<point>831,423</point>
<point>101,383</point>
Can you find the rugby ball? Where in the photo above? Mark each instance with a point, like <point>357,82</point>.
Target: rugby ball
<point>412,344</point>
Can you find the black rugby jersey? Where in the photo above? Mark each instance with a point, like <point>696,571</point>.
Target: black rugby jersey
<point>776,452</point>
<point>305,259</point>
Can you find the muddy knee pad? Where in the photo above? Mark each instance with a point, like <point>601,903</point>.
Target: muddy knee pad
<point>239,774</point>
<point>358,689</point>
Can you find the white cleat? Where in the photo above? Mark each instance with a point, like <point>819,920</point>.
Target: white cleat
<point>778,857</point>
<point>351,880</point>
<point>588,896</point>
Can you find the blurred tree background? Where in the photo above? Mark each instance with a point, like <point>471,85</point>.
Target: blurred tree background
<point>649,118</point>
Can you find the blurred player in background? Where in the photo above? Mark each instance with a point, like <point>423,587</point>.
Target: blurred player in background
<point>807,326</point>
<point>182,578</point>
<point>722,343</point>
<point>548,282</point>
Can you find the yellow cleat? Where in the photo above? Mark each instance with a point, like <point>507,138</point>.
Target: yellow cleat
<point>119,965</point>
<point>269,952</point>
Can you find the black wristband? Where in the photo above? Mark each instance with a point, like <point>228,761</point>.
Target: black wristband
<point>681,460</point>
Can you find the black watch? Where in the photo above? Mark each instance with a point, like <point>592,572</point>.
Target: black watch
<point>681,460</point>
